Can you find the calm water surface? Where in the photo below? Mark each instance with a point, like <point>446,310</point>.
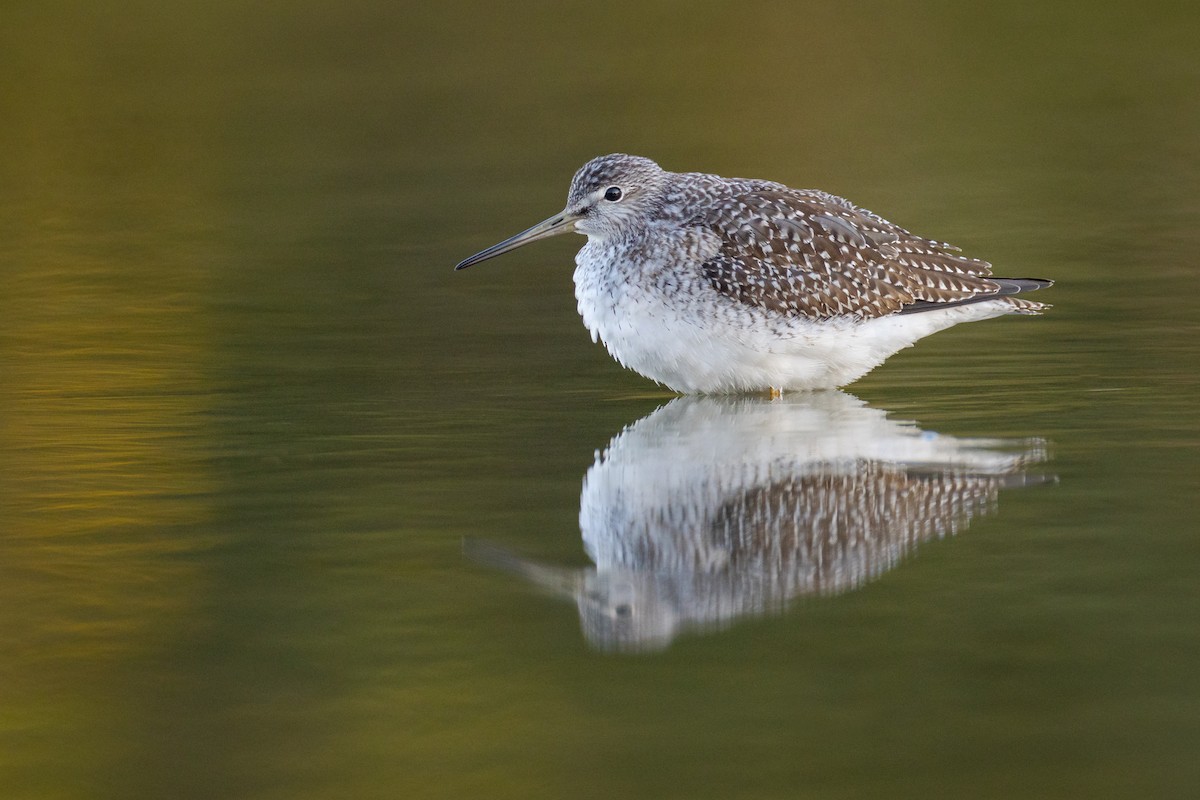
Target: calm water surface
<point>290,510</point>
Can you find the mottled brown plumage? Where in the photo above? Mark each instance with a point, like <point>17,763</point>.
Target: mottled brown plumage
<point>815,255</point>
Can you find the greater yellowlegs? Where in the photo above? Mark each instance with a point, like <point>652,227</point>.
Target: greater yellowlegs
<point>721,285</point>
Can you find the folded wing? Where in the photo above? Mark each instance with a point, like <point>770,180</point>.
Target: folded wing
<point>813,254</point>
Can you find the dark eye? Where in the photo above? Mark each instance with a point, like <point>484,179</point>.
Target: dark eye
<point>613,193</point>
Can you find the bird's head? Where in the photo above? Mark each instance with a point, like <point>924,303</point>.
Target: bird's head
<point>608,195</point>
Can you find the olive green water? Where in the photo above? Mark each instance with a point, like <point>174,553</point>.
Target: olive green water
<point>249,416</point>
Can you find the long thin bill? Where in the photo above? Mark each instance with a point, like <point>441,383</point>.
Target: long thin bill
<point>562,222</point>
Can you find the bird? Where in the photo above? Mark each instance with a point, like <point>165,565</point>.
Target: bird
<point>716,285</point>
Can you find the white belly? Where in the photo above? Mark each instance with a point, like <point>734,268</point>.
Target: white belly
<point>675,329</point>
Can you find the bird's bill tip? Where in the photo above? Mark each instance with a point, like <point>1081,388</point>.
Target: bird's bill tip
<point>562,222</point>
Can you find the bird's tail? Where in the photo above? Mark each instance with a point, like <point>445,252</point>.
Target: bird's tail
<point>1013,286</point>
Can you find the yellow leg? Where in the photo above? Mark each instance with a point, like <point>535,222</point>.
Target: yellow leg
<point>776,393</point>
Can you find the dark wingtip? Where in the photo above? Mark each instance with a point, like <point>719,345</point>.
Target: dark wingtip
<point>1011,286</point>
<point>1008,288</point>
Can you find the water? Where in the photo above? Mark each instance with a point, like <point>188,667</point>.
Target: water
<point>263,450</point>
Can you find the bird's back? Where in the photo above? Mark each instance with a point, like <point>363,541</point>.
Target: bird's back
<point>809,253</point>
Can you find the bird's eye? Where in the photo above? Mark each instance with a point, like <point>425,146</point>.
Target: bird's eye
<point>613,194</point>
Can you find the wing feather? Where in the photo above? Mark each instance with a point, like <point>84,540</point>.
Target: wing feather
<point>816,255</point>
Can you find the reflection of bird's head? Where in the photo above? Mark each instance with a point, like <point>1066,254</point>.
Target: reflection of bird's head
<point>619,611</point>
<point>623,612</point>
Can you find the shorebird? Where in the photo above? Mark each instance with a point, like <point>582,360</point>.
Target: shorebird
<point>728,285</point>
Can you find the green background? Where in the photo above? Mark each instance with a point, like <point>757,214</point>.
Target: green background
<point>248,413</point>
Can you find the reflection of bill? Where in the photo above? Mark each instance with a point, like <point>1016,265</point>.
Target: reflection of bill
<point>711,509</point>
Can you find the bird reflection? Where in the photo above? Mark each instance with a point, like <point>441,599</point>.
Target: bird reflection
<point>711,509</point>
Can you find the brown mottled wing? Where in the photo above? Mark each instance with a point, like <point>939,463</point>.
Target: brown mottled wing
<point>816,255</point>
